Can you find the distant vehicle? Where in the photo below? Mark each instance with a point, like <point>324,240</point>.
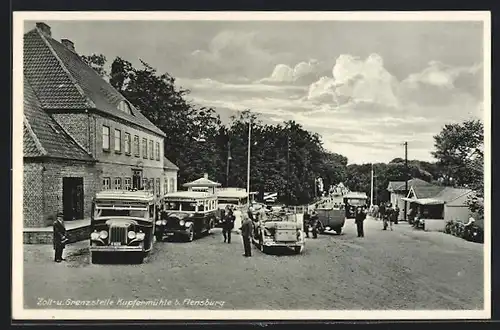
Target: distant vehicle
<point>351,201</point>
<point>122,221</point>
<point>189,214</point>
<point>277,230</point>
<point>237,198</point>
<point>330,217</point>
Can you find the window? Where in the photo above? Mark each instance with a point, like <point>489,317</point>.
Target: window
<point>144,148</point>
<point>136,146</point>
<point>118,183</point>
<point>158,192</point>
<point>172,185</point>
<point>125,107</point>
<point>127,143</point>
<point>105,137</point>
<point>151,185</point>
<point>145,184</point>
<point>157,150</point>
<point>128,183</point>
<point>106,183</point>
<point>118,140</point>
<point>151,151</point>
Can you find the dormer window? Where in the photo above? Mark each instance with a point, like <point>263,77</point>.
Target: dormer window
<point>125,107</point>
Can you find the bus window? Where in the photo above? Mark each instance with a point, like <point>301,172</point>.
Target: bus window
<point>188,206</point>
<point>201,208</point>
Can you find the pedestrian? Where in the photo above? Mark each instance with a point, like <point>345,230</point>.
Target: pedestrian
<point>389,216</point>
<point>60,239</point>
<point>359,219</point>
<point>306,219</point>
<point>396,215</point>
<point>313,221</point>
<point>381,211</point>
<point>228,225</point>
<point>246,234</point>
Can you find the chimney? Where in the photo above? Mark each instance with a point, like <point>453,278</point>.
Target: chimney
<point>44,28</point>
<point>68,44</point>
<point>205,175</point>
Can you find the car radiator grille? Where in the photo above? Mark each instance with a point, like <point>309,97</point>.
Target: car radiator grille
<point>118,235</point>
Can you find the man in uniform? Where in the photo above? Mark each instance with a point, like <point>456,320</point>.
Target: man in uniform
<point>314,224</point>
<point>228,225</point>
<point>60,239</point>
<point>359,219</point>
<point>246,234</point>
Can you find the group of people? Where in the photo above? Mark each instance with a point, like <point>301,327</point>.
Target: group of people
<point>389,214</point>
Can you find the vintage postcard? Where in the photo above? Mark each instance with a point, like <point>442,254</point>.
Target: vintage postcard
<point>251,165</point>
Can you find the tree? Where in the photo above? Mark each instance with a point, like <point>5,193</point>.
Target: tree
<point>96,62</point>
<point>455,145</point>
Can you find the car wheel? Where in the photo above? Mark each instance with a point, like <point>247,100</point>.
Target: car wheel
<point>190,236</point>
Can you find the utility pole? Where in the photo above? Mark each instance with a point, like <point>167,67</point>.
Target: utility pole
<point>288,169</point>
<point>371,190</point>
<point>248,160</point>
<point>229,158</point>
<point>406,179</point>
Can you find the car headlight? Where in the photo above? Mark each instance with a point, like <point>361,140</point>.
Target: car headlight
<point>140,236</point>
<point>182,222</point>
<point>164,222</point>
<point>94,236</point>
<point>103,234</point>
<point>159,223</point>
<point>131,234</point>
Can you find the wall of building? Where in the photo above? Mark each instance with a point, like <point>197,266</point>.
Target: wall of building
<point>33,208</point>
<point>43,189</point>
<point>169,181</point>
<point>460,213</point>
<point>396,199</point>
<point>78,125</point>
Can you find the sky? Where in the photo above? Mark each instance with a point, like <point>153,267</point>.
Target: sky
<point>365,86</point>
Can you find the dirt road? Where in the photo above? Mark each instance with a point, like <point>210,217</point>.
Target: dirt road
<point>402,269</point>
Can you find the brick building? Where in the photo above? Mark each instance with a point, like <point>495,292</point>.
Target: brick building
<point>100,141</point>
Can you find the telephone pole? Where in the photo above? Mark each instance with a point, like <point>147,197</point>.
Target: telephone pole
<point>371,190</point>
<point>406,178</point>
<point>288,169</point>
<point>248,160</point>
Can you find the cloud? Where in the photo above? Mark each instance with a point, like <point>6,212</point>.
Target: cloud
<point>233,55</point>
<point>355,80</point>
<point>303,73</point>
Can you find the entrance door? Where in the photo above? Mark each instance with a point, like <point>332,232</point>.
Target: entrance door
<point>73,198</point>
<point>137,179</point>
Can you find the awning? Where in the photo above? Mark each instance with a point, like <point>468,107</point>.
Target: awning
<point>424,201</point>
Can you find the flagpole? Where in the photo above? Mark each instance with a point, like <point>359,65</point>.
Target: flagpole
<point>248,160</point>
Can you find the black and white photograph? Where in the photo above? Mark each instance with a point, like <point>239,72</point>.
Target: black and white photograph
<point>251,165</point>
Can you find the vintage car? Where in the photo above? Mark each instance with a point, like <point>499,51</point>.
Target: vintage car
<point>330,217</point>
<point>352,201</point>
<point>122,221</point>
<point>237,199</point>
<point>279,230</point>
<point>188,214</point>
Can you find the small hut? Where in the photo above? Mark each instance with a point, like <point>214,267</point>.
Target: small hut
<point>202,184</point>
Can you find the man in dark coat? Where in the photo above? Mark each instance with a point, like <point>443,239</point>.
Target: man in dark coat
<point>228,225</point>
<point>381,211</point>
<point>246,234</point>
<point>60,239</point>
<point>307,217</point>
<point>359,219</point>
<point>313,221</point>
<point>396,215</point>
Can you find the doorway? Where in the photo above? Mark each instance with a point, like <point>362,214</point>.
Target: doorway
<point>137,179</point>
<point>73,198</point>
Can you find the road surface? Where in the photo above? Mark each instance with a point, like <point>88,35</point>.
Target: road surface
<point>402,269</point>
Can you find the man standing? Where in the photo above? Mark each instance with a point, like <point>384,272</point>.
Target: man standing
<point>228,225</point>
<point>396,215</point>
<point>381,211</point>
<point>60,239</point>
<point>305,221</point>
<point>246,234</point>
<point>314,224</point>
<point>359,219</point>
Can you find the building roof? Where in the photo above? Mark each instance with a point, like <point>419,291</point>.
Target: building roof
<point>62,81</point>
<point>446,195</point>
<point>168,165</point>
<point>232,193</point>
<point>426,191</point>
<point>42,135</point>
<point>400,185</point>
<point>202,182</point>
